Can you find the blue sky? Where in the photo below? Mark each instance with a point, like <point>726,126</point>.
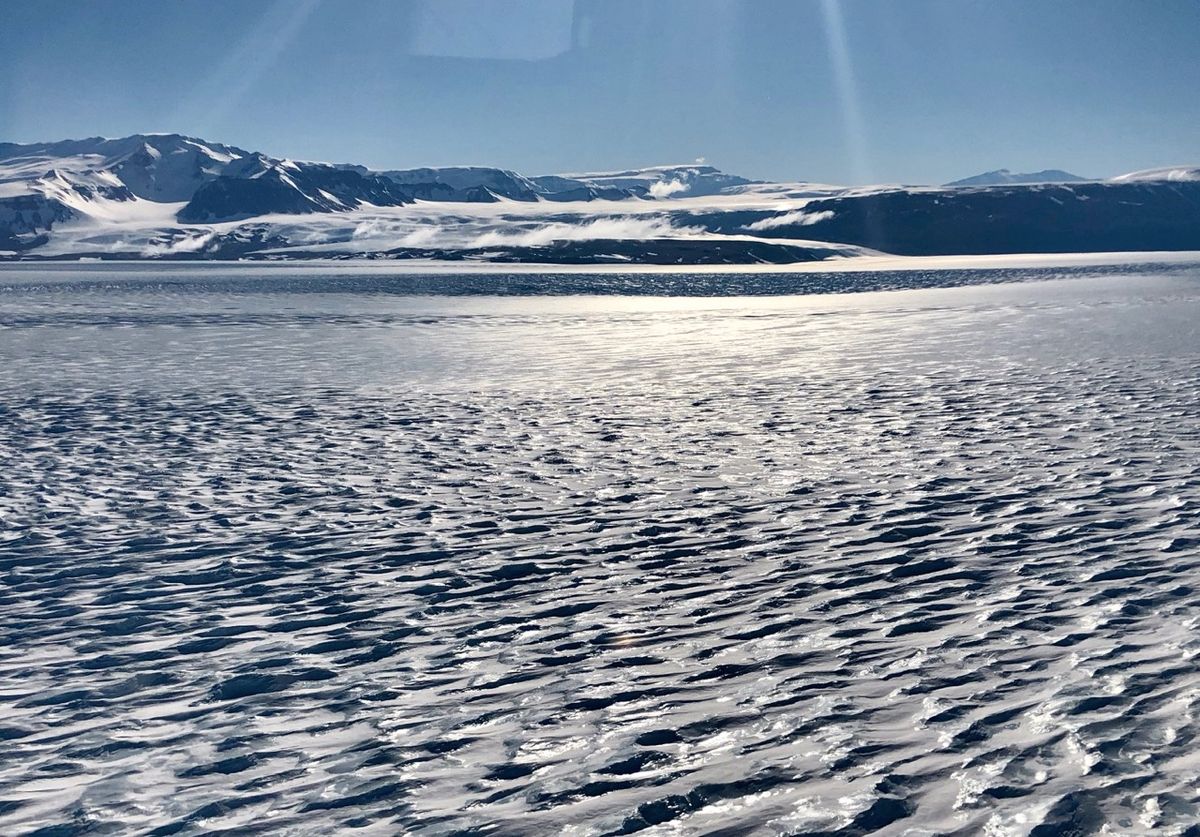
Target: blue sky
<point>829,90</point>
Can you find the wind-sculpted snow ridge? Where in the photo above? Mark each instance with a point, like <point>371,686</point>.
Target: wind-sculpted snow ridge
<point>307,563</point>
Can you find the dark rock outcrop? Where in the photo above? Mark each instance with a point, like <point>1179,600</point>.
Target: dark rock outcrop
<point>25,219</point>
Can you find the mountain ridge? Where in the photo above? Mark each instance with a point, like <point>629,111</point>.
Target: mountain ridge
<point>175,196</point>
<point>1001,177</point>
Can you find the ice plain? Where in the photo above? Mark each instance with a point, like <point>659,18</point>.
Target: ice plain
<point>305,549</point>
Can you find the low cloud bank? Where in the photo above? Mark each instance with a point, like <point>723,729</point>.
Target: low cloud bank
<point>387,234</point>
<point>665,188</point>
<point>623,228</point>
<point>186,244</point>
<point>799,218</point>
<point>399,233</point>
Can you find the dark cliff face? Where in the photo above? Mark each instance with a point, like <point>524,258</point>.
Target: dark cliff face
<point>660,251</point>
<point>463,184</point>
<point>481,194</point>
<point>485,185</point>
<point>432,191</point>
<point>295,189</point>
<point>1085,217</point>
<point>25,219</point>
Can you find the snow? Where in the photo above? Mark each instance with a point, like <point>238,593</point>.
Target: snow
<point>334,199</point>
<point>1175,173</point>
<point>893,489</point>
<point>15,189</point>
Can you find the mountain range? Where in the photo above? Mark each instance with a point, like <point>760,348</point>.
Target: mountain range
<point>167,196</point>
<point>1001,177</point>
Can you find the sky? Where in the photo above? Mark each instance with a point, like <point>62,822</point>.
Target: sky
<point>834,91</point>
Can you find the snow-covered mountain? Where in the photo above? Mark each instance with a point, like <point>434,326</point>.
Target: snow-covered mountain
<point>1004,177</point>
<point>165,177</point>
<point>286,187</point>
<point>171,196</point>
<point>160,167</point>
<point>162,194</point>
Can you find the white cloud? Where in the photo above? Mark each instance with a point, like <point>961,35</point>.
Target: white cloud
<point>185,244</point>
<point>420,237</point>
<point>799,218</point>
<point>374,228</point>
<point>506,231</point>
<point>623,228</point>
<point>397,233</point>
<point>665,188</point>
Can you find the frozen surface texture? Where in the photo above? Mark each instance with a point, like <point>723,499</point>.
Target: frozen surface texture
<point>292,554</point>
